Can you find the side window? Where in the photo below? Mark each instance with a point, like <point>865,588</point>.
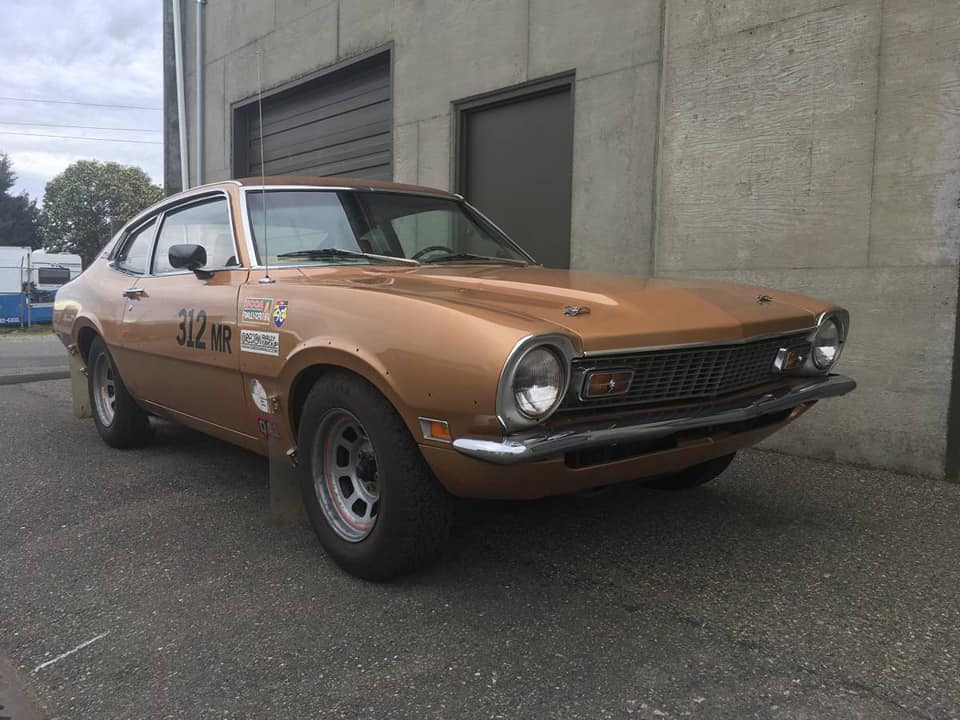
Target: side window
<point>133,255</point>
<point>205,223</point>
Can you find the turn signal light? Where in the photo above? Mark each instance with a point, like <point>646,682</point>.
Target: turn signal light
<point>435,429</point>
<point>439,430</point>
<point>603,383</point>
<point>791,358</point>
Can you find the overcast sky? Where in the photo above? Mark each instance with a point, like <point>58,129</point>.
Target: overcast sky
<point>91,51</point>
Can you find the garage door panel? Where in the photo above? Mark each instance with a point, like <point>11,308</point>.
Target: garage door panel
<point>356,167</point>
<point>359,150</point>
<point>338,124</point>
<point>333,90</point>
<point>373,98</point>
<point>337,130</point>
<point>361,141</point>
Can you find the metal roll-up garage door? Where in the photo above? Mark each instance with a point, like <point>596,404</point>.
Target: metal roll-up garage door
<point>337,124</point>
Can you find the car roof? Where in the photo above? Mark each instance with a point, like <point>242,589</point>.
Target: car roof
<point>340,182</point>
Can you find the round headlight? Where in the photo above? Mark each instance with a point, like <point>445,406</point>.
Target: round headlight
<point>538,382</point>
<point>826,345</point>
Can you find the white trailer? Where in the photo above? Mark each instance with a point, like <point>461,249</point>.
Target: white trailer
<point>29,280</point>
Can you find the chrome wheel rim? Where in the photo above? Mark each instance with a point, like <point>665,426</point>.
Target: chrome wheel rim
<point>346,478</point>
<point>105,389</point>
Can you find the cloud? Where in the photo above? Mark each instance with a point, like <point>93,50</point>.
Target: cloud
<point>87,51</point>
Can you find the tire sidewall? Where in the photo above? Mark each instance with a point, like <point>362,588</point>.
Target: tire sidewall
<point>130,426</point>
<point>370,556</point>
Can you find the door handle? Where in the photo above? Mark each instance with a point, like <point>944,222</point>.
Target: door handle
<point>134,292</point>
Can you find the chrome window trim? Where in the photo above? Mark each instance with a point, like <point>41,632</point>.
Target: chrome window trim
<point>502,232</point>
<point>508,414</point>
<point>705,343</point>
<point>125,234</point>
<point>187,202</point>
<point>255,263</point>
<point>162,205</point>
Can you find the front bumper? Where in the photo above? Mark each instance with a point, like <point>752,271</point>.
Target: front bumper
<point>542,443</point>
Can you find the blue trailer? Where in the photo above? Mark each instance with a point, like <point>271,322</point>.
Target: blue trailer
<point>29,280</point>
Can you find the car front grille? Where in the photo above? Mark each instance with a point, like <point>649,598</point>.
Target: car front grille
<point>691,374</point>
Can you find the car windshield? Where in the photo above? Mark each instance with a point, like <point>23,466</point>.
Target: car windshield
<point>325,227</point>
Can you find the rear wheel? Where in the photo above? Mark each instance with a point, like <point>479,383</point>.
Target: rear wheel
<point>373,501</point>
<point>119,420</point>
<point>693,476</point>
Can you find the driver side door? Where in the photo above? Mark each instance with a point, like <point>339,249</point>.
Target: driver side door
<point>182,329</point>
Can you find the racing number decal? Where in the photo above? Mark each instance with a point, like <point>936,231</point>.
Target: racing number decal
<point>198,343</point>
<point>191,320</point>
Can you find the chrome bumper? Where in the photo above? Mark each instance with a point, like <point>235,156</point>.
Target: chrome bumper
<point>540,443</point>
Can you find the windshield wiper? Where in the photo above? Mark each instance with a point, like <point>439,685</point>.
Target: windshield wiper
<point>456,257</point>
<point>320,253</point>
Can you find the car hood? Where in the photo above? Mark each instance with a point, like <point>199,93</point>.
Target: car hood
<point>615,311</point>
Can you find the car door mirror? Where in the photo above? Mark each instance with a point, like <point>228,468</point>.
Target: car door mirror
<point>190,257</point>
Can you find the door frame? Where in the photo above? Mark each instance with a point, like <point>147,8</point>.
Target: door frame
<point>504,96</point>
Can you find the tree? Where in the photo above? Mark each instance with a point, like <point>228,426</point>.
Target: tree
<point>18,213</point>
<point>89,201</point>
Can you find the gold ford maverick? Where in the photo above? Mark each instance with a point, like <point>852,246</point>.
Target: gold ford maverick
<point>398,349</point>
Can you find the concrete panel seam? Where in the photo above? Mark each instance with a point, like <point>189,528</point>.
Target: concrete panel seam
<point>658,144</point>
<point>605,73</point>
<point>526,68</point>
<point>418,123</point>
<point>876,125</point>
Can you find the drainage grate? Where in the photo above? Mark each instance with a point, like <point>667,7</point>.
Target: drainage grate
<point>15,703</point>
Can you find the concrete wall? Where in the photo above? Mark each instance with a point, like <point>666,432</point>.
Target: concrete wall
<point>815,146</point>
<point>810,145</point>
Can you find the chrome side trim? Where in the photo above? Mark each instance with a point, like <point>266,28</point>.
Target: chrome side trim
<point>541,442</point>
<point>705,343</point>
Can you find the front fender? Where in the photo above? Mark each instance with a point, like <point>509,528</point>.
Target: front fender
<point>334,354</point>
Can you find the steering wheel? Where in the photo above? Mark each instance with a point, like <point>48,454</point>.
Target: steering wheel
<point>431,248</point>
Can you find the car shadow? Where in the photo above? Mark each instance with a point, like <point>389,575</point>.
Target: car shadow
<point>731,526</point>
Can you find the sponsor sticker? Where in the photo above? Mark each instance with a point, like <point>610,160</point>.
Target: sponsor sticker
<point>260,342</point>
<point>280,313</point>
<point>259,396</point>
<point>256,310</point>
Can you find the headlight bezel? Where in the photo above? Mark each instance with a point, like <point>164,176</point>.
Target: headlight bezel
<point>840,318</point>
<point>508,411</point>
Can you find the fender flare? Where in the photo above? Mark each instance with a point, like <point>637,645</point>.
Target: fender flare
<point>333,353</point>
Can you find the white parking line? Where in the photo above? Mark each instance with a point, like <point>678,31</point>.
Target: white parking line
<point>81,646</point>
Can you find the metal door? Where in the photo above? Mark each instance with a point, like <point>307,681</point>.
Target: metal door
<point>515,163</point>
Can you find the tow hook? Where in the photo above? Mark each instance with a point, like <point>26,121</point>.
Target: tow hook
<point>294,458</point>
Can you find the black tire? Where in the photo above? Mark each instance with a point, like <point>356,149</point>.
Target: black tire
<point>415,513</point>
<point>693,476</point>
<point>129,427</point>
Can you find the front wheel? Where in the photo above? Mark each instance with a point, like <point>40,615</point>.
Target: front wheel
<point>119,420</point>
<point>373,501</point>
<point>693,476</point>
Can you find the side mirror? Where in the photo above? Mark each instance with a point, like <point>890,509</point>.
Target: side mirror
<point>191,257</point>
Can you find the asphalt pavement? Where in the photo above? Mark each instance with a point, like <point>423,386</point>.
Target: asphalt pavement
<point>25,358</point>
<point>152,583</point>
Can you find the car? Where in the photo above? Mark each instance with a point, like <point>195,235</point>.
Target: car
<point>399,350</point>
